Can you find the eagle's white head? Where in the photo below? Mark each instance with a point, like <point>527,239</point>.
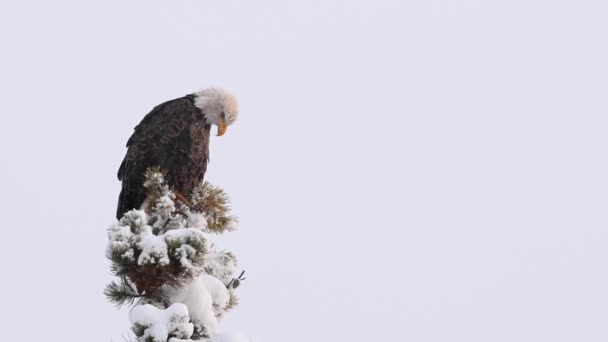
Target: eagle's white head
<point>219,107</point>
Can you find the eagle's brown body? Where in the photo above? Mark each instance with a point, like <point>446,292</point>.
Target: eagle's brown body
<point>173,136</point>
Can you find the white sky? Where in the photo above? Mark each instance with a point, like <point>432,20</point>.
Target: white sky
<point>403,170</point>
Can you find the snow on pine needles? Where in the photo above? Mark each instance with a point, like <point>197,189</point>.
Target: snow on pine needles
<point>168,268</point>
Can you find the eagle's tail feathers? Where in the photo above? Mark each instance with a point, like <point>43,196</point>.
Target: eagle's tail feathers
<point>129,199</point>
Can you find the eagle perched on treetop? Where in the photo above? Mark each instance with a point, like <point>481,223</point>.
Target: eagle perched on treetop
<point>175,137</point>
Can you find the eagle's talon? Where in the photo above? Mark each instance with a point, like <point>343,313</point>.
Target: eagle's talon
<point>182,198</point>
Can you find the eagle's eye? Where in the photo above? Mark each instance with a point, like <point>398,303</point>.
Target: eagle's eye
<point>223,115</point>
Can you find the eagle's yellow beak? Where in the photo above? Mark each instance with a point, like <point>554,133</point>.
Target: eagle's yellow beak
<point>221,127</point>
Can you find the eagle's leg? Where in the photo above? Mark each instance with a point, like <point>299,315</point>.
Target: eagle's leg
<point>182,198</point>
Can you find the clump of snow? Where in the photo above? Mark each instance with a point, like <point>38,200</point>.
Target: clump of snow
<point>136,219</point>
<point>124,235</point>
<point>165,206</point>
<point>153,249</point>
<point>206,298</point>
<point>121,239</point>
<point>184,235</point>
<point>219,293</point>
<point>158,325</point>
<point>196,220</point>
<point>132,239</point>
<point>185,253</point>
<point>163,217</point>
<point>222,265</point>
<point>192,246</point>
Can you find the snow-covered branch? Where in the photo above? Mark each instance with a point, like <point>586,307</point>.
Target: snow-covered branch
<point>168,267</point>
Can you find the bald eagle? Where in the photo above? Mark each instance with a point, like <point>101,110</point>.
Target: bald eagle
<point>175,137</point>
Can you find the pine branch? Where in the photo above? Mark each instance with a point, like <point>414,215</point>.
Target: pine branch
<point>121,293</point>
<point>233,301</point>
<point>163,247</point>
<point>214,203</point>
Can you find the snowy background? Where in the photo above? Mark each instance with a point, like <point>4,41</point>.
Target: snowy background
<point>403,171</point>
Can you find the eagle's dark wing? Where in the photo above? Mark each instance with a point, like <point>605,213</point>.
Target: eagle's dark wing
<point>162,138</point>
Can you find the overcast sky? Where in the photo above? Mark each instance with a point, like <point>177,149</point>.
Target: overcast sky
<point>403,170</point>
